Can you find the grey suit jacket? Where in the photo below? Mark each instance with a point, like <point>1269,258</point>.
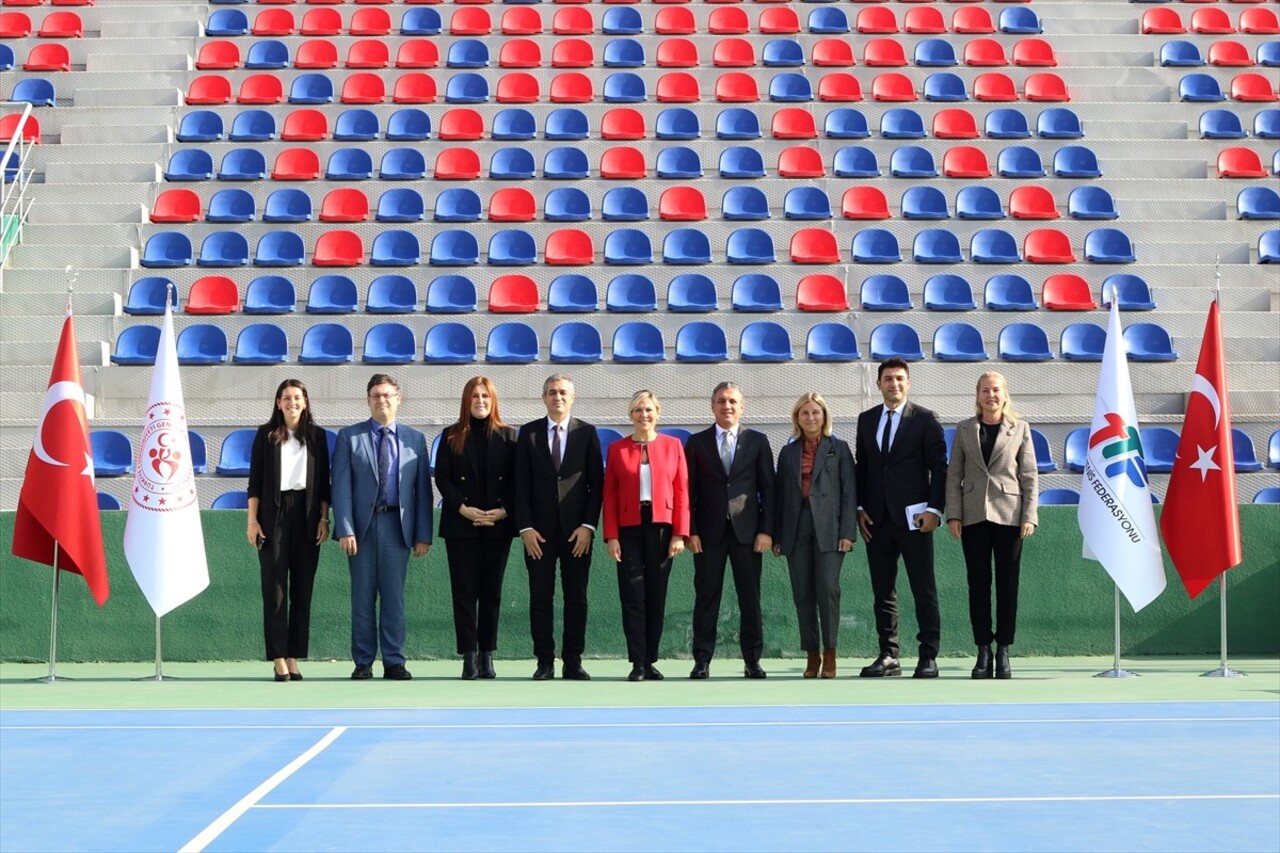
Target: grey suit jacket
<point>1004,490</point>
<point>355,483</point>
<point>831,495</point>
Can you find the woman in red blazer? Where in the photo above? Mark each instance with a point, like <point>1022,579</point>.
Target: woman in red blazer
<point>646,517</point>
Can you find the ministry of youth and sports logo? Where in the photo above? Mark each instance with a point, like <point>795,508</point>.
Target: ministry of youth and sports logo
<point>164,480</point>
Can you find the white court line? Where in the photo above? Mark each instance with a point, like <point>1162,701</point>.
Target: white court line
<point>828,801</point>
<point>231,815</point>
<point>697,724</point>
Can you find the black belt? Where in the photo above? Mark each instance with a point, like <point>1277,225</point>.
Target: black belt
<point>646,503</point>
<point>387,508</point>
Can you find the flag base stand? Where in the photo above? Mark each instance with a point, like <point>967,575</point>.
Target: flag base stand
<point>1223,672</point>
<point>158,675</point>
<point>1116,670</point>
<point>1116,673</point>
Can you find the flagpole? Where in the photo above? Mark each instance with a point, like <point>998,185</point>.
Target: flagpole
<point>53,621</point>
<point>1223,671</point>
<point>1116,671</point>
<point>159,676</point>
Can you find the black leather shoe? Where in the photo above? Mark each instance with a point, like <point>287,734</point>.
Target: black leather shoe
<point>752,669</point>
<point>982,669</point>
<point>701,669</point>
<point>651,673</point>
<point>396,672</point>
<point>1002,662</point>
<point>469,670</point>
<point>926,668</point>
<point>295,676</point>
<point>574,672</point>
<point>361,672</point>
<point>544,671</point>
<point>637,673</point>
<point>281,676</point>
<point>486,665</point>
<point>882,667</point>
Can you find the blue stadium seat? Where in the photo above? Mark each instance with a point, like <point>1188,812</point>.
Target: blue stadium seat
<point>831,342</point>
<point>227,22</point>
<point>1019,19</point>
<point>261,343</point>
<point>1221,124</point>
<point>1273,450</point>
<point>935,53</point>
<point>1044,457</point>
<point>189,164</point>
<point>1075,449</point>
<point>200,126</point>
<point>701,341</point>
<point>311,88</point>
<point>958,342</point>
<point>202,343</point>
<point>677,123</point>
<point>457,204</point>
<point>35,91</point>
<point>1076,161</point>
<point>7,59</point>
<point>623,53</point>
<point>1009,292</point>
<point>576,343</point>
<point>106,502</point>
<point>270,294</point>
<point>396,248</point>
<point>1059,123</point>
<point>979,202</point>
<point>901,123</point>
<point>565,163</point>
<point>466,87</point>
<point>137,345</point>
<point>356,125</point>
<point>1269,54</point>
<point>275,249</point>
<point>1148,342</point>
<point>1108,246</point>
<point>756,292</point>
<point>948,292</point>
<point>449,343</point>
<point>944,86</point>
<point>451,294</point>
<point>691,293</point>
<point>924,202</point>
<point>231,205</point>
<point>420,21</point>
<point>243,164</point>
<point>1258,203</point>
<point>885,293</point>
<point>782,53</point>
<point>750,246</point>
<point>1059,497</point>
<point>1268,495</point>
<point>993,246</point>
<point>402,204</point>
<point>686,246</point>
<point>574,293</point>
<point>765,341</point>
<point>1200,87</point>
<point>392,294</point>
<point>737,123</point>
<point>233,458</point>
<point>514,123</point>
<point>332,294</point>
<point>147,296</point>
<point>1082,342</point>
<point>1269,247</point>
<point>845,123</point>
<point>744,203</point>
<point>512,248</point>
<point>167,249</point>
<point>224,249</point>
<point>677,432</point>
<point>1091,202</point>
<point>1006,123</point>
<point>804,203</point>
<point>895,340</point>
<point>1159,447</point>
<point>638,342</point>
<point>234,499</point>
<point>855,161</point>
<point>389,343</point>
<point>349,164</point>
<point>112,453</point>
<point>628,246</point>
<point>1266,124</point>
<point>1024,342</point>
<point>623,87</point>
<point>630,293</point>
<point>1019,161</point>
<point>1246,460</point>
<point>741,162</point>
<point>569,204</point>
<point>876,246</point>
<point>467,53</point>
<point>409,124</point>
<point>1179,53</point>
<point>511,343</point>
<point>678,161</point>
<point>621,21</point>
<point>267,54</point>
<point>404,164</point>
<point>790,86</point>
<point>625,204</point>
<point>454,248</point>
<point>253,126</point>
<point>512,164</point>
<point>936,246</point>
<point>1133,292</point>
<point>828,19</point>
<point>912,161</point>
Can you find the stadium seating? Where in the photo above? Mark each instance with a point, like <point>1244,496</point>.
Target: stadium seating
<point>270,294</point>
<point>630,293</point>
<point>831,342</point>
<point>895,340</point>
<point>638,342</point>
<point>147,296</point>
<point>1023,342</point>
<point>261,343</point>
<point>701,341</point>
<point>449,343</point>
<point>1008,292</point>
<point>948,292</point>
<point>112,453</point>
<point>202,343</point>
<point>884,292</point>
<point>233,457</point>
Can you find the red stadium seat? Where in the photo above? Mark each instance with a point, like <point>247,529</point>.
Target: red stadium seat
<point>622,123</point>
<point>814,246</point>
<point>893,86</point>
<point>675,21</point>
<point>821,292</point>
<point>180,205</point>
<point>520,53</point>
<point>461,123</point>
<point>457,164</point>
<point>1259,21</point>
<point>518,87</point>
<point>305,125</point>
<point>1240,162</point>
<point>209,89</point>
<point>14,25</point>
<point>1032,202</point>
<point>260,89</point>
<point>839,86</point>
<point>513,294</point>
<point>316,53</point>
<point>338,249</point>
<point>512,204</point>
<point>781,20</point>
<point>364,87</point>
<point>1162,20</point>
<point>677,53</point>
<point>1067,292</point>
<point>728,21</point>
<point>877,19</point>
<point>571,87</point>
<point>1034,52</point>
<point>470,22</point>
<point>572,21</point>
<point>793,123</point>
<point>994,86</point>
<point>521,21</point>
<point>955,123</point>
<point>965,161</point>
<point>925,20</point>
<point>984,52</point>
<point>622,161</point>
<point>800,161</point>
<point>972,19</point>
<point>679,87</point>
<point>296,164</point>
<point>61,25</point>
<point>213,56</point>
<point>9,126</point>
<point>733,53</point>
<point>1211,19</point>
<point>833,52</point>
<point>348,204</point>
<point>864,202</point>
<point>1048,246</point>
<point>417,53</point>
<point>1045,86</point>
<point>213,294</point>
<point>320,22</point>
<point>1251,87</point>
<point>1229,53</point>
<point>682,204</point>
<point>367,53</point>
<point>414,87</point>
<point>883,53</point>
<point>569,247</point>
<point>572,53</point>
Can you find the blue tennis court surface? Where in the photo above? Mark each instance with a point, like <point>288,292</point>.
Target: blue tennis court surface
<point>1151,776</point>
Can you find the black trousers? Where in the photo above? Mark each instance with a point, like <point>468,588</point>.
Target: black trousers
<point>642,586</point>
<point>288,562</point>
<point>982,543</point>
<point>476,569</point>
<point>888,542</point>
<point>575,573</point>
<point>708,587</point>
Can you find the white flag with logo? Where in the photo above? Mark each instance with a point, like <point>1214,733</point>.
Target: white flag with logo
<point>1115,514</point>
<point>163,539</point>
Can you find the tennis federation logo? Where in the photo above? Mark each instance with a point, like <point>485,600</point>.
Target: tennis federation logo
<point>1121,450</point>
<point>164,481</point>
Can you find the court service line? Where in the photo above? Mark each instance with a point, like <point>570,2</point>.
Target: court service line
<point>828,801</point>
<point>231,815</point>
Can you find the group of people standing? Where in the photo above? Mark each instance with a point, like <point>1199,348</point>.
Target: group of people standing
<point>720,495</point>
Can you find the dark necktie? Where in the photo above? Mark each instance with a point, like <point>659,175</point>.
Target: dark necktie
<point>884,436</point>
<point>555,448</point>
<point>384,465</point>
<point>726,450</point>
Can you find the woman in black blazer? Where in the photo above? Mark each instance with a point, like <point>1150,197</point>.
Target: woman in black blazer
<point>288,520</point>
<point>474,474</point>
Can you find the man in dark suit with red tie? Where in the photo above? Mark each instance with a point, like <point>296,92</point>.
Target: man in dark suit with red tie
<point>901,463</point>
<point>731,518</point>
<point>558,489</point>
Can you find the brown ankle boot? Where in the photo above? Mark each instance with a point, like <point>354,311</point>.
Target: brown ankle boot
<point>828,663</point>
<point>815,660</point>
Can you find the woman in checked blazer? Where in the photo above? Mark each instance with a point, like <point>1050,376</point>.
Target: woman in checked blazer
<point>991,507</point>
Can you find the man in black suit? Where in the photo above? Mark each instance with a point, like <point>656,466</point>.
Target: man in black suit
<point>901,464</point>
<point>558,483</point>
<point>731,518</point>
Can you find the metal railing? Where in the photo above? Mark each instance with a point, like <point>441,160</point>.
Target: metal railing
<point>14,203</point>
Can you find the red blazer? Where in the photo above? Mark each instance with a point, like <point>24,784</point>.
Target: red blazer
<point>622,485</point>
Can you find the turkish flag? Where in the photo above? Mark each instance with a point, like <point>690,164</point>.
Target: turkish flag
<point>1201,522</point>
<point>57,507</point>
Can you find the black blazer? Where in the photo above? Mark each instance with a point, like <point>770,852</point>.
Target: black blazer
<point>832,495</point>
<point>554,502</point>
<point>459,481</point>
<point>743,497</point>
<point>915,471</point>
<point>264,477</point>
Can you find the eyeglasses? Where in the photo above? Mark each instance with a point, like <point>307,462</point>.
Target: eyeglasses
<point>390,396</point>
